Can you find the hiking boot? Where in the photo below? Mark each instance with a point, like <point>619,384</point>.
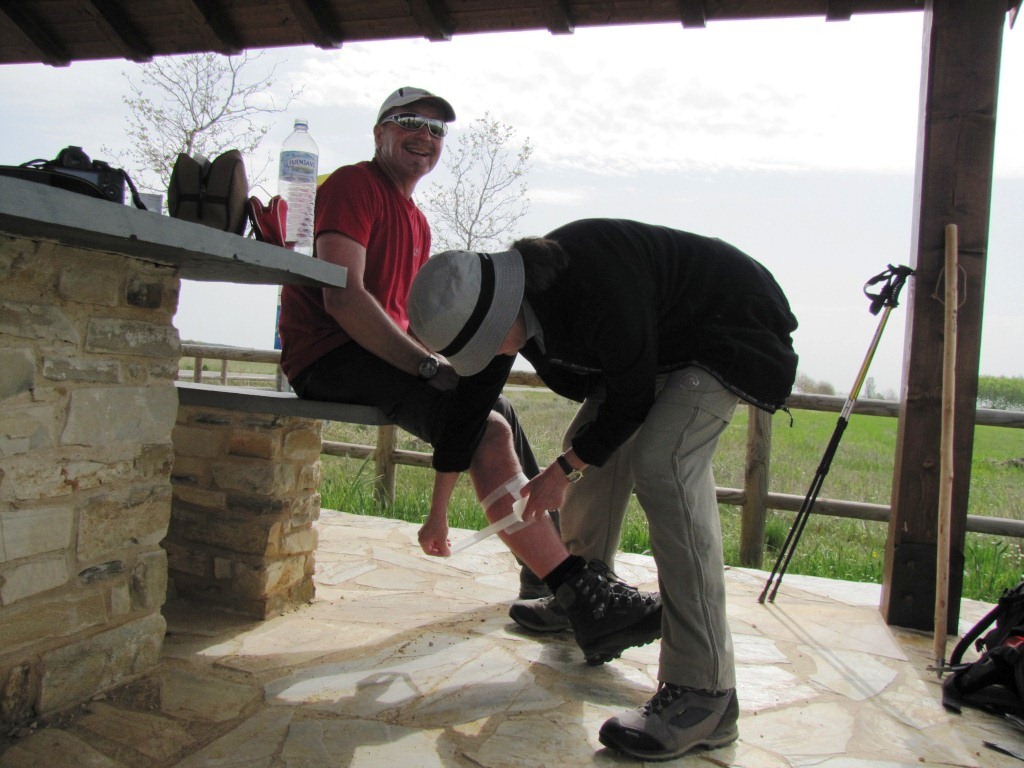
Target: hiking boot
<point>607,615</point>
<point>675,721</point>
<point>543,615</point>
<point>531,586</point>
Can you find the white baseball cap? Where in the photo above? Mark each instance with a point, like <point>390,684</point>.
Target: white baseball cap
<point>408,95</point>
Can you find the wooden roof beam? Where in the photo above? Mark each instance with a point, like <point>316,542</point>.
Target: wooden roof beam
<point>318,23</point>
<point>432,18</point>
<point>220,25</point>
<point>557,17</point>
<point>692,13</point>
<point>838,10</point>
<point>123,33</point>
<point>50,51</point>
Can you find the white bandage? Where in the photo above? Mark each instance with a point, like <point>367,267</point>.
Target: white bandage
<point>512,486</point>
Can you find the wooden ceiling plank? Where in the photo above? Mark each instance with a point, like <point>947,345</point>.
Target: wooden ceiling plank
<point>220,25</point>
<point>432,18</point>
<point>558,17</point>
<point>316,20</point>
<point>50,51</point>
<point>121,30</point>
<point>692,13</point>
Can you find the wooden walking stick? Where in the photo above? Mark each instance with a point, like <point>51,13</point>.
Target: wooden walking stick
<point>946,452</point>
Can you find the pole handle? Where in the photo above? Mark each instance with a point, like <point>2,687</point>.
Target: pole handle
<point>888,295</point>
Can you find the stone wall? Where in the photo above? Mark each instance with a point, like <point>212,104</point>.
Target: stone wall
<point>245,500</point>
<point>88,354</point>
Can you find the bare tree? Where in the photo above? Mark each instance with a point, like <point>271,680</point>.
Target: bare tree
<point>487,196</point>
<point>195,104</point>
<point>807,385</point>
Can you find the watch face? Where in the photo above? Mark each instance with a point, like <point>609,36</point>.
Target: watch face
<point>428,367</point>
<point>571,473</point>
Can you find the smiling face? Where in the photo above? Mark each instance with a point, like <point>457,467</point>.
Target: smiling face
<point>408,156</point>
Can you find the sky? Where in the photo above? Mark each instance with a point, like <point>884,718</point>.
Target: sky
<point>793,139</point>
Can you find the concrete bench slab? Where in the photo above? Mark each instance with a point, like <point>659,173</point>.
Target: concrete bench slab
<point>276,403</point>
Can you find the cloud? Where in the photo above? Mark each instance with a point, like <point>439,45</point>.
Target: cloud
<point>558,197</point>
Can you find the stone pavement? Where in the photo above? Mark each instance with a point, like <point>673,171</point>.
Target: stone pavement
<point>403,660</point>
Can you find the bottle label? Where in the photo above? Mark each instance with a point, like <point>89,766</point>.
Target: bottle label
<point>298,166</point>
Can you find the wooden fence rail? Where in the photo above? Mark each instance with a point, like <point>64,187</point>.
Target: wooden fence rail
<point>754,498</point>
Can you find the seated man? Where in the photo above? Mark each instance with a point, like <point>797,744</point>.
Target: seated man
<point>351,344</point>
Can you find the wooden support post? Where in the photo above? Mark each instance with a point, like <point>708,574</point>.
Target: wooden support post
<point>383,458</point>
<point>754,512</point>
<point>962,45</point>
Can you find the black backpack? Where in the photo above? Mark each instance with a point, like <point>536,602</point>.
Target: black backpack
<point>212,193</point>
<point>995,681</point>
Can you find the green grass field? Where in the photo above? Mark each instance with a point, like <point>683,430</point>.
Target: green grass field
<point>836,548</point>
<point>832,547</point>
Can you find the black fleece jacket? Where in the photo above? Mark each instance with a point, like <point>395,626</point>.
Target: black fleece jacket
<point>637,300</point>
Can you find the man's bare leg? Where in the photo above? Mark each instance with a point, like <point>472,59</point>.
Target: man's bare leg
<point>494,464</point>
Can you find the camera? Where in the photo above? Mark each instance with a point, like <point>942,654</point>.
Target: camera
<point>72,161</point>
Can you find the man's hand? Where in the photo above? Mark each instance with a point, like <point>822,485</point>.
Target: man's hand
<point>546,492</point>
<point>433,536</point>
<point>445,379</point>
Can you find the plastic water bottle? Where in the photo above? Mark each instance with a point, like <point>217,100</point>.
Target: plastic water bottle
<point>296,183</point>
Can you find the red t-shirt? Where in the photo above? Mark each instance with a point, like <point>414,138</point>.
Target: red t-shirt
<point>360,202</point>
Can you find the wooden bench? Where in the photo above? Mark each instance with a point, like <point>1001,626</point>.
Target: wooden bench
<point>245,485</point>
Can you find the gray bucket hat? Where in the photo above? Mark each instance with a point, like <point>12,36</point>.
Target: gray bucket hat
<point>462,304</point>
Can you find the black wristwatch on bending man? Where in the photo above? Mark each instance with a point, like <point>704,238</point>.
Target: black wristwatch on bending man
<point>571,473</point>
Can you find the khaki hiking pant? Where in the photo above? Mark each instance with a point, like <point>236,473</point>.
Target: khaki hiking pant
<point>668,462</point>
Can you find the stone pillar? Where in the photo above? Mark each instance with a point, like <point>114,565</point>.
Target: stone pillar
<point>88,354</point>
<point>245,500</point>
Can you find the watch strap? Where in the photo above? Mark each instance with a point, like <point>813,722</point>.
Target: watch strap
<point>571,473</point>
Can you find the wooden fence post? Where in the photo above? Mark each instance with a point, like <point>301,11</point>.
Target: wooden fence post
<point>754,511</point>
<point>383,458</point>
<point>197,370</point>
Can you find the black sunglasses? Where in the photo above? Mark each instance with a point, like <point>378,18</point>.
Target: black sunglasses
<point>410,121</point>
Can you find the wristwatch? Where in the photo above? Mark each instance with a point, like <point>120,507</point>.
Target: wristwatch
<point>571,473</point>
<point>429,367</point>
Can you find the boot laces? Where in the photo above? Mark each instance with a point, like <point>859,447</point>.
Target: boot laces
<point>608,590</point>
<point>666,695</point>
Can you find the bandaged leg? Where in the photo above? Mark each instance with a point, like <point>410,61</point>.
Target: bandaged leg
<point>510,487</point>
<point>493,468</point>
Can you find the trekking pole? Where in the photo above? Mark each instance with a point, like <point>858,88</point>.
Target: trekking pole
<point>946,451</point>
<point>888,295</point>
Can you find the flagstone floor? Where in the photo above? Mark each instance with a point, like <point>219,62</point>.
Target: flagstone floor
<point>403,660</point>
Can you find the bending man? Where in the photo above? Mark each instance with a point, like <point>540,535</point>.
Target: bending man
<point>667,330</point>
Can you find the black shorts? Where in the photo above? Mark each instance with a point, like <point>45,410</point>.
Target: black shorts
<point>350,374</point>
